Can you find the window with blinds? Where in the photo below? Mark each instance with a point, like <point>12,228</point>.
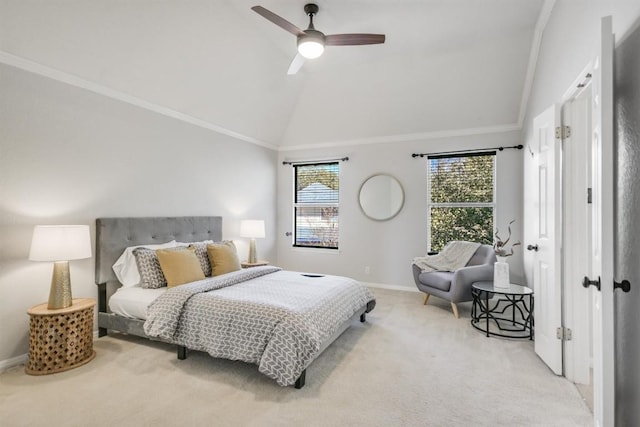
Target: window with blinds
<point>461,198</point>
<point>316,198</point>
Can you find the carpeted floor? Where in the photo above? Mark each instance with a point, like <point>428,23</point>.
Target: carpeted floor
<point>409,365</point>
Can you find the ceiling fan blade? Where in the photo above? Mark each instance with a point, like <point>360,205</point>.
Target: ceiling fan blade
<point>353,39</point>
<point>278,20</point>
<point>296,64</point>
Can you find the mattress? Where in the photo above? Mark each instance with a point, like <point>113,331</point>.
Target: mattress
<point>133,302</point>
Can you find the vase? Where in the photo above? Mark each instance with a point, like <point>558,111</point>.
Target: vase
<point>501,273</point>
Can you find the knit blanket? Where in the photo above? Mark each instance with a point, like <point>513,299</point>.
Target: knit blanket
<point>453,256</point>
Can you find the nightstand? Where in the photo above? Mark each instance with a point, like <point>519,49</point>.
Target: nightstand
<point>61,339</point>
<point>247,264</point>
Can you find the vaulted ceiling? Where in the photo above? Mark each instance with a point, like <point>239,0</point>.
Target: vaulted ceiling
<point>446,65</point>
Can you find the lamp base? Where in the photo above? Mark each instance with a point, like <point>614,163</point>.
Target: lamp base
<point>253,257</point>
<point>60,293</point>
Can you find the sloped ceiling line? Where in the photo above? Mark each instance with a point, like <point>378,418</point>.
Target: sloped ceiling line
<point>543,18</point>
<point>33,67</point>
<point>70,79</point>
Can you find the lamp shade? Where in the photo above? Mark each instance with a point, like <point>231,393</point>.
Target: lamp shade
<point>60,243</point>
<point>253,228</point>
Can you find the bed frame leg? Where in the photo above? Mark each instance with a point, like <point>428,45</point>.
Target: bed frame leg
<point>182,352</point>
<point>301,379</point>
<point>102,306</point>
<point>363,317</point>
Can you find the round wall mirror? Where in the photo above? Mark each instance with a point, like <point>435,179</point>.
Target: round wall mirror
<point>381,197</point>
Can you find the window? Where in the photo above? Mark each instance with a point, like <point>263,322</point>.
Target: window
<point>461,198</point>
<point>315,207</point>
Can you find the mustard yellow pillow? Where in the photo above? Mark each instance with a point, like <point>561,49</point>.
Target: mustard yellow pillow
<point>223,257</point>
<point>179,267</point>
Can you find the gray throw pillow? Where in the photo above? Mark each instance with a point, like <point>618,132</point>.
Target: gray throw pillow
<point>151,276</point>
<point>203,257</point>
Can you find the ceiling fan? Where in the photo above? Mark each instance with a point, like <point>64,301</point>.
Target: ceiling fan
<point>311,42</point>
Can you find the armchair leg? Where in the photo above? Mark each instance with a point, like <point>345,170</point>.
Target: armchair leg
<point>454,307</point>
<point>426,298</point>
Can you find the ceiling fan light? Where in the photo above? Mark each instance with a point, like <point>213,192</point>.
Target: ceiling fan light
<point>311,43</point>
<point>310,49</point>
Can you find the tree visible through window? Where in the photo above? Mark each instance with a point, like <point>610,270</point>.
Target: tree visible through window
<point>317,188</point>
<point>461,198</point>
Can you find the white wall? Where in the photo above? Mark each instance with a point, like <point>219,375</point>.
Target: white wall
<point>388,247</point>
<point>70,156</point>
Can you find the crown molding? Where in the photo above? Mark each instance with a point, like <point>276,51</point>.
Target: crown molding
<point>541,24</point>
<point>61,76</point>
<point>408,137</point>
<point>70,79</point>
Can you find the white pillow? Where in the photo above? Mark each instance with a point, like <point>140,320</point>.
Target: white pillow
<point>189,243</point>
<point>125,267</point>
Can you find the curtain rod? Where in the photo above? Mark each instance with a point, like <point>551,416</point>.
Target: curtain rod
<point>514,147</point>
<point>311,162</point>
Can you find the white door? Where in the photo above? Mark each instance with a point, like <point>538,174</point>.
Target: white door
<point>543,232</point>
<point>576,239</point>
<point>602,235</point>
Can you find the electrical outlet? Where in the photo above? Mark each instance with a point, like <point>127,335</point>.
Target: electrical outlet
<point>367,270</point>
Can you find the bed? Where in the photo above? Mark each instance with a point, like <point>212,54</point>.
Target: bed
<point>279,320</point>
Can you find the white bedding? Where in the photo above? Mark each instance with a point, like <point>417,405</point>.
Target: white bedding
<point>133,302</point>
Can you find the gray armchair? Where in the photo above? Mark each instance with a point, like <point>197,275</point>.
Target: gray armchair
<point>455,286</point>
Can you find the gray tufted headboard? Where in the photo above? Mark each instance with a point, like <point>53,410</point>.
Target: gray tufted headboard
<point>113,235</point>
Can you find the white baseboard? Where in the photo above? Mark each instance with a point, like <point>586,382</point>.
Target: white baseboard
<point>390,287</point>
<point>22,359</point>
<point>14,361</point>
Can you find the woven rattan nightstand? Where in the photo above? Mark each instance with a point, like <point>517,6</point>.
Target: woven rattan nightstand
<point>60,339</point>
<point>247,264</point>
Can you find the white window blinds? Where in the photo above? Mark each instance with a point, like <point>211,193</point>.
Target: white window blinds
<point>316,205</point>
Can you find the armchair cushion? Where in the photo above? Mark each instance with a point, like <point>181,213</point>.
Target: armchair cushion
<point>437,279</point>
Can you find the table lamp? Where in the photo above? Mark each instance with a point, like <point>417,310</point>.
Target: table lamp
<point>252,228</point>
<point>60,243</point>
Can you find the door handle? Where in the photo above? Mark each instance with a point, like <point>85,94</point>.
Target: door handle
<point>532,247</point>
<point>625,285</point>
<point>586,282</point>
